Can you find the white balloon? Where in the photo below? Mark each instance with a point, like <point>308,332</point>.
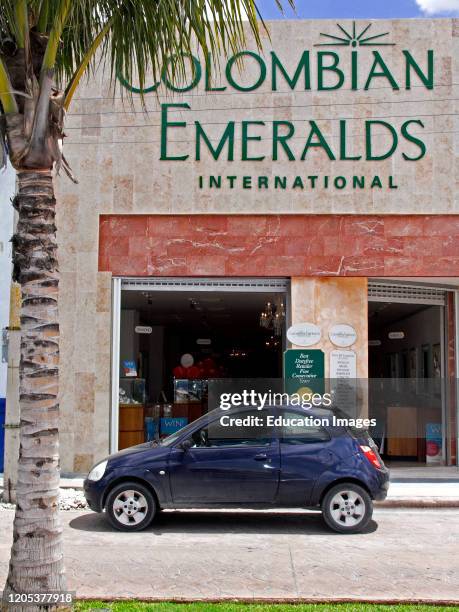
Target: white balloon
<point>186,360</point>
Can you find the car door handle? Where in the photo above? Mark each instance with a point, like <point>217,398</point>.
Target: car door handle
<point>261,457</point>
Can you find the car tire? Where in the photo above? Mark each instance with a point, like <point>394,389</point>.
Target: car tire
<point>130,506</point>
<point>347,508</point>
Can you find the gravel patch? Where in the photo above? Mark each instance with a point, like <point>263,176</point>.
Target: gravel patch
<point>70,499</point>
<point>5,506</point>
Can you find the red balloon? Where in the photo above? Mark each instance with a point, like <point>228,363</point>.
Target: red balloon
<point>193,372</point>
<point>179,372</point>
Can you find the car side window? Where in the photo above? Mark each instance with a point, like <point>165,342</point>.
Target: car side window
<point>247,433</point>
<point>293,431</point>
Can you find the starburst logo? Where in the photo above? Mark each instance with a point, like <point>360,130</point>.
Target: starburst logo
<point>355,40</point>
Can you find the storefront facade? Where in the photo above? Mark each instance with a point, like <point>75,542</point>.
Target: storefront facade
<point>329,163</point>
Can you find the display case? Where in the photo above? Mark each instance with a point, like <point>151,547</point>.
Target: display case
<point>131,411</point>
<point>132,390</point>
<point>190,399</point>
<point>186,390</point>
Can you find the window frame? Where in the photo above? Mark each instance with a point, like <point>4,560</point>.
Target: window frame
<point>282,439</point>
<point>273,439</point>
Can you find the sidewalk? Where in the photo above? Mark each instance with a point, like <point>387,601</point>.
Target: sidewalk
<point>420,494</point>
<point>418,486</point>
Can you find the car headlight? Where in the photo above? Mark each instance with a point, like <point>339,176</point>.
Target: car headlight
<point>98,470</point>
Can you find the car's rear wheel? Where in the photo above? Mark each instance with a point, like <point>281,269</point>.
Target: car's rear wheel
<point>130,506</point>
<point>347,508</point>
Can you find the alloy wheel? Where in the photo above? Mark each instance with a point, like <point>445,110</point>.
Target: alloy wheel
<point>347,508</point>
<point>130,507</point>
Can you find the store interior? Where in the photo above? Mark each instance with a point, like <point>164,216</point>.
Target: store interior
<point>405,372</point>
<point>173,342</point>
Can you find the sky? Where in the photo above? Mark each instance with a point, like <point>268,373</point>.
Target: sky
<point>361,9</point>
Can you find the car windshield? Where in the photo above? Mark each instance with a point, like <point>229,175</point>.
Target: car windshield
<point>178,434</point>
<point>199,423</point>
<point>206,418</point>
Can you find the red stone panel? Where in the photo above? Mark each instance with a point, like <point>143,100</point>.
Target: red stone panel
<point>279,245</point>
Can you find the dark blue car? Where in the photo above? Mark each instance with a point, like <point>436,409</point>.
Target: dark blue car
<point>245,458</point>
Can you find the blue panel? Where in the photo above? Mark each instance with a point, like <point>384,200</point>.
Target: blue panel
<point>170,425</point>
<point>2,432</point>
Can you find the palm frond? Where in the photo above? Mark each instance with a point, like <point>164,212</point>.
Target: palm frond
<point>138,39</point>
<point>7,99</point>
<point>144,34</point>
<point>7,22</point>
<point>58,23</point>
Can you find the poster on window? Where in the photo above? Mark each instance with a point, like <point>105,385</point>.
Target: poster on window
<point>129,368</point>
<point>433,443</point>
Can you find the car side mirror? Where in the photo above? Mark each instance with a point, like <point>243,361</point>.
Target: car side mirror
<point>186,444</point>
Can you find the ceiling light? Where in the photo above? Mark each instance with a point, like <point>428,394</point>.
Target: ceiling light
<point>272,317</point>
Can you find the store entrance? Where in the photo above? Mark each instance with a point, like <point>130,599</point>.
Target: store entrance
<point>175,339</point>
<point>406,378</point>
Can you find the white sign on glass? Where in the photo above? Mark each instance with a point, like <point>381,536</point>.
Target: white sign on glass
<point>143,329</point>
<point>342,335</point>
<point>396,335</point>
<point>343,379</point>
<point>343,364</point>
<point>304,334</point>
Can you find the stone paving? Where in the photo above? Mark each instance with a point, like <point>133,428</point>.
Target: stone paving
<point>404,555</point>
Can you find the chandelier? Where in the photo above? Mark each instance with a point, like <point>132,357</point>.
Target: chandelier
<point>272,342</point>
<point>272,317</point>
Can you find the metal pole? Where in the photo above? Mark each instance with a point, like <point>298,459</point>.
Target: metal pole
<point>115,364</point>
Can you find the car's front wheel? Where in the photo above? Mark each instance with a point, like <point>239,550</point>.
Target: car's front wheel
<point>130,506</point>
<point>347,508</point>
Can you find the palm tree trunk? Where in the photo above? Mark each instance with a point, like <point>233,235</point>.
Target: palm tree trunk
<point>37,554</point>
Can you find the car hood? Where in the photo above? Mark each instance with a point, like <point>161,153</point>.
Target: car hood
<point>135,454</point>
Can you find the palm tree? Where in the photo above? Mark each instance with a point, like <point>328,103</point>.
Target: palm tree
<point>46,46</point>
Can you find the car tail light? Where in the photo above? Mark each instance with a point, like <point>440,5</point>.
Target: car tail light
<point>371,456</point>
